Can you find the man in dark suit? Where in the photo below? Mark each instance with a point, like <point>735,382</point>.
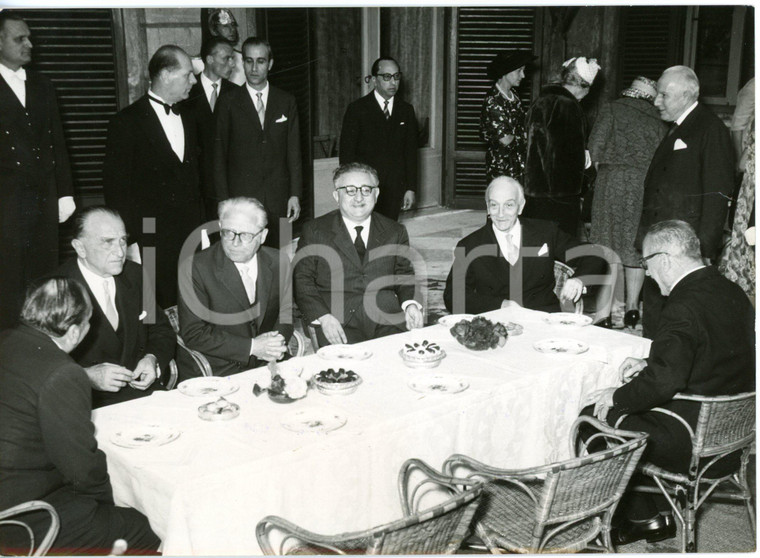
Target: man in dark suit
<point>212,84</point>
<point>151,169</point>
<point>229,310</point>
<point>365,251</point>
<point>36,192</point>
<point>511,260</point>
<point>122,355</point>
<point>705,345</point>
<point>380,130</point>
<point>257,150</point>
<point>691,175</point>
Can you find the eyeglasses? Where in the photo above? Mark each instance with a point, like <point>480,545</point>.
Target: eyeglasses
<point>245,237</point>
<point>644,261</point>
<point>352,190</point>
<point>388,77</point>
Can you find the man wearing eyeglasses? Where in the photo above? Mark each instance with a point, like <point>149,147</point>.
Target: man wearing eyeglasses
<point>352,276</point>
<point>380,130</point>
<point>229,310</point>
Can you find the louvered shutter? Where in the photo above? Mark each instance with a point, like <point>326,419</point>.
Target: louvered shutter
<point>479,33</point>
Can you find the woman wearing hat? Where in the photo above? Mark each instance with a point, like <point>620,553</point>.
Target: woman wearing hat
<point>502,120</point>
<point>624,138</point>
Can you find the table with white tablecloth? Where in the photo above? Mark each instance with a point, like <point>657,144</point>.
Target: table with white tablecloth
<point>205,492</point>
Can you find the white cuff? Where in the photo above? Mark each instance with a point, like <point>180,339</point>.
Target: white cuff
<point>406,303</point>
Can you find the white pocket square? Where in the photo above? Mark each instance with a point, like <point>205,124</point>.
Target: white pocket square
<point>544,250</point>
<point>679,144</point>
<point>282,118</point>
<point>402,123</point>
<point>141,317</point>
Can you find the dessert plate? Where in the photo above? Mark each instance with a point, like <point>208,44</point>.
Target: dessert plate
<point>568,319</point>
<point>452,319</point>
<point>343,352</point>
<point>146,435</point>
<point>313,420</point>
<point>560,346</point>
<point>438,384</point>
<point>208,385</point>
<point>221,409</point>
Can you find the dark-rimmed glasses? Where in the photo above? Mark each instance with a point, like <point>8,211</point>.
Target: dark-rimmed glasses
<point>644,261</point>
<point>245,237</point>
<point>351,190</point>
<point>388,77</point>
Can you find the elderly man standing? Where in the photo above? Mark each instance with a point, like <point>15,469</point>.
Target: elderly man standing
<point>516,264</point>
<point>36,192</point>
<point>380,130</point>
<point>122,354</point>
<point>705,345</point>
<point>150,172</point>
<point>377,288</point>
<point>691,176</point>
<point>230,309</point>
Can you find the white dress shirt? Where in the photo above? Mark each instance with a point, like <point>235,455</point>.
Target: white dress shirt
<point>686,113</point>
<point>253,272</point>
<point>501,238</point>
<point>254,95</point>
<point>172,125</point>
<point>96,282</point>
<point>351,226</point>
<point>16,81</point>
<point>381,101</point>
<point>208,88</point>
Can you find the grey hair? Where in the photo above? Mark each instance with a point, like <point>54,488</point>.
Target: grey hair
<point>520,190</point>
<point>53,305</point>
<point>687,79</point>
<point>355,167</point>
<point>242,202</point>
<point>675,237</point>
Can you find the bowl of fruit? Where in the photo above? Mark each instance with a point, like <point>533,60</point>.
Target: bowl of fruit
<point>336,382</point>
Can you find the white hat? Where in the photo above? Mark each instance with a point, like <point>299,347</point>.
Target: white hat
<point>586,68</point>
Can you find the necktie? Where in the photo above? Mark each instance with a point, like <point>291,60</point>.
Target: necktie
<point>110,310</point>
<point>260,109</point>
<point>248,283</point>
<point>386,112</point>
<point>214,96</point>
<point>512,252</point>
<point>673,128</point>
<point>167,107</point>
<point>361,248</point>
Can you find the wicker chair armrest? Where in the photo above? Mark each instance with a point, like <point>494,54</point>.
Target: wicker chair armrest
<point>34,505</point>
<point>484,471</point>
<point>199,359</point>
<point>292,531</point>
<point>171,381</point>
<point>712,398</point>
<point>450,484</point>
<point>577,445</point>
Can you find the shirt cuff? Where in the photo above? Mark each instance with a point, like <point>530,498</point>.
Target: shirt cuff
<point>406,303</point>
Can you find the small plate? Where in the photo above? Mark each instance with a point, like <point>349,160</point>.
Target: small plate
<point>146,435</point>
<point>568,319</point>
<point>208,386</point>
<point>313,420</point>
<point>560,346</point>
<point>438,384</point>
<point>452,319</point>
<point>343,352</point>
<point>221,409</point>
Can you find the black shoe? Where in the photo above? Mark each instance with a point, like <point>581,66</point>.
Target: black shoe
<point>606,323</point>
<point>657,529</point>
<point>631,318</point>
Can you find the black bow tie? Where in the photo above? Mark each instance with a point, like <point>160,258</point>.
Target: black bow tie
<point>167,106</point>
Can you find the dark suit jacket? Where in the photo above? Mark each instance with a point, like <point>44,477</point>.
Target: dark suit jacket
<point>389,146</point>
<point>692,184</point>
<point>487,278</point>
<point>219,288</point>
<point>34,166</point>
<point>134,338</point>
<point>248,161</point>
<point>205,122</point>
<point>705,345</point>
<point>327,237</point>
<point>47,440</point>
<point>142,177</point>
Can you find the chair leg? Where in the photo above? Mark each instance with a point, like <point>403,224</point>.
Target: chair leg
<point>688,500</point>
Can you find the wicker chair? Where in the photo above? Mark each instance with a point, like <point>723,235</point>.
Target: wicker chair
<point>10,517</point>
<point>198,358</point>
<point>561,507</point>
<point>562,273</point>
<point>437,530</point>
<point>726,424</point>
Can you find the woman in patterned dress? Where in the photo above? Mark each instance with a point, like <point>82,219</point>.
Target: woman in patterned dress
<point>502,120</point>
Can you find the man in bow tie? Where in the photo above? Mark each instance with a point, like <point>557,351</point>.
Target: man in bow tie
<point>691,175</point>
<point>122,354</point>
<point>36,192</point>
<point>150,172</point>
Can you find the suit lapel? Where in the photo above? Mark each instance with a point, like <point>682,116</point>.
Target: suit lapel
<point>155,132</point>
<point>263,286</point>
<point>248,106</point>
<point>128,298</point>
<point>98,322</point>
<point>273,109</point>
<point>229,276</point>
<point>342,240</point>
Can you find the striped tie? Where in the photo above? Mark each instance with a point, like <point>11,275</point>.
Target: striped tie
<point>386,112</point>
<point>214,96</point>
<point>260,109</point>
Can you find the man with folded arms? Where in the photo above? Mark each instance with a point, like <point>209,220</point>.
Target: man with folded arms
<point>377,289</point>
<point>229,310</point>
<point>516,260</point>
<point>705,345</point>
<point>122,354</point>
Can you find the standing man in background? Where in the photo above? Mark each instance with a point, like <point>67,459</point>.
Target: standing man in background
<point>380,130</point>
<point>36,191</point>
<point>257,151</point>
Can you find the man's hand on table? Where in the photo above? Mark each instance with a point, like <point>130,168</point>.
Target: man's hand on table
<point>414,317</point>
<point>108,377</point>
<point>630,368</point>
<point>602,402</point>
<point>332,329</point>
<point>145,373</point>
<point>269,346</point>
<point>572,290</point>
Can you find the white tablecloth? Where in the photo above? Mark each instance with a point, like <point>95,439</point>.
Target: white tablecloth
<point>205,492</point>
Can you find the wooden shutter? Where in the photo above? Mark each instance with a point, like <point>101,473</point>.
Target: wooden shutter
<point>477,34</point>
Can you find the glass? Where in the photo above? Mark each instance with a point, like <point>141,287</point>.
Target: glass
<point>644,261</point>
<point>245,237</point>
<point>351,190</point>
<point>388,77</point>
